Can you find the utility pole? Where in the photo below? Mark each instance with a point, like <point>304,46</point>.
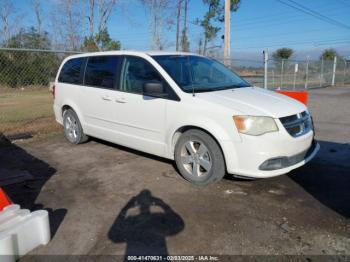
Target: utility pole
<point>184,42</point>
<point>227,34</point>
<point>178,23</point>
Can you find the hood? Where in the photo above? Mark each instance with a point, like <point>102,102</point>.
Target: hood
<point>254,101</point>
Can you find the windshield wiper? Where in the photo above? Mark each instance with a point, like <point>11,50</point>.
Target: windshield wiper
<point>234,86</point>
<point>211,89</point>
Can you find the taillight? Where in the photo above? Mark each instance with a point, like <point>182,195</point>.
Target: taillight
<point>53,91</point>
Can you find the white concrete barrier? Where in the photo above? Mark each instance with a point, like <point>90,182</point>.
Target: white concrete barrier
<point>21,231</point>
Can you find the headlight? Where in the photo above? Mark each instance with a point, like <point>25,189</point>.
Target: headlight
<point>255,125</point>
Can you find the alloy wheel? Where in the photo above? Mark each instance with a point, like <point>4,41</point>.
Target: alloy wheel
<point>195,158</point>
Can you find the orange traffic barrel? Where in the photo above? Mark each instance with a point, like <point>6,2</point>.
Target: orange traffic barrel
<point>301,96</point>
<point>4,200</point>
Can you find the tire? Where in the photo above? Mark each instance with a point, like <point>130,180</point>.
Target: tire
<point>72,128</point>
<point>199,158</point>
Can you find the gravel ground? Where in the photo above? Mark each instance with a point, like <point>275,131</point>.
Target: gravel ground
<point>89,189</point>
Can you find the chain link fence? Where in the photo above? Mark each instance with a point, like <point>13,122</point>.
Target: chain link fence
<point>29,68</point>
<point>251,70</point>
<point>292,74</point>
<point>296,75</point>
<point>25,98</point>
<point>342,76</point>
<point>25,77</point>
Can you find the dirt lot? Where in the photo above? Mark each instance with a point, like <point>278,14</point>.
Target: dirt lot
<point>89,189</point>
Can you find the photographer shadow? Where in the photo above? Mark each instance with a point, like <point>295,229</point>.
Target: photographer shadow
<point>144,223</point>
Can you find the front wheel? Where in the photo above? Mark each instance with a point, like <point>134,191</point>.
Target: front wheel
<point>199,158</point>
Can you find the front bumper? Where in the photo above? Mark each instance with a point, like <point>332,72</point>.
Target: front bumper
<point>284,161</point>
<point>246,158</point>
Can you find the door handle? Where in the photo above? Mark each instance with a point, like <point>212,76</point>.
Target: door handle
<point>106,98</point>
<point>121,100</point>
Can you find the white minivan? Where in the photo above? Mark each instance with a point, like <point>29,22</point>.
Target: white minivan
<point>185,107</point>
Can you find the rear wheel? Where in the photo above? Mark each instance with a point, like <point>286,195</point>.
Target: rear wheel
<point>199,158</point>
<point>72,128</point>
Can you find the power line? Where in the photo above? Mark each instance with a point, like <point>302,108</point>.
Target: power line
<point>277,18</point>
<point>313,13</point>
<point>249,25</point>
<point>250,22</point>
<point>344,3</point>
<point>270,18</point>
<point>321,15</point>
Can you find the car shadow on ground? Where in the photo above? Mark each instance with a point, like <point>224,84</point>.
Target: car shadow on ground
<point>24,192</point>
<point>133,151</point>
<point>162,159</point>
<point>144,223</point>
<point>327,177</point>
<point>138,153</point>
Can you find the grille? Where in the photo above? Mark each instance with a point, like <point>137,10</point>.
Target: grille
<point>297,125</point>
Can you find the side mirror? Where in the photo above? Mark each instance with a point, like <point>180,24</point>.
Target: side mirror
<point>154,89</point>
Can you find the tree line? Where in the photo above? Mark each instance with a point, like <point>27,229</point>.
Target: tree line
<point>81,25</point>
<point>285,53</point>
<point>68,21</point>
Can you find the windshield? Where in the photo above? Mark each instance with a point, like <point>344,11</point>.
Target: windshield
<point>199,74</point>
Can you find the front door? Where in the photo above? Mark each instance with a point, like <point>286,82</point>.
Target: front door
<point>141,119</point>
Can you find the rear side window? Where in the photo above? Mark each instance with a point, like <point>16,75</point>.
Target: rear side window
<point>102,71</point>
<point>71,71</point>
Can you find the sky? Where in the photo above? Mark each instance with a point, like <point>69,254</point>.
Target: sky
<point>257,25</point>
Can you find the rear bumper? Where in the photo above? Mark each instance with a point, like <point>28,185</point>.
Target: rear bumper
<point>246,158</point>
<point>58,114</point>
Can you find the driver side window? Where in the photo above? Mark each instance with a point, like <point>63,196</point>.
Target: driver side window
<point>135,73</point>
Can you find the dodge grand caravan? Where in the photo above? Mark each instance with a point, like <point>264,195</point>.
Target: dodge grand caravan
<point>184,107</point>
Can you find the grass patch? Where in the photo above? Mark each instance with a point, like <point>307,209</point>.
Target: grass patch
<point>27,110</point>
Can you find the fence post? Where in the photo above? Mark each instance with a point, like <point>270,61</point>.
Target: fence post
<point>295,74</point>
<point>344,77</point>
<point>334,70</point>
<point>321,75</point>
<point>307,72</point>
<point>266,58</point>
<point>282,64</point>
